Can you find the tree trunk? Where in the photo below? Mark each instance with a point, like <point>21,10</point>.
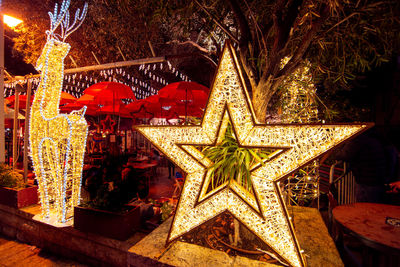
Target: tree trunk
<point>261,96</point>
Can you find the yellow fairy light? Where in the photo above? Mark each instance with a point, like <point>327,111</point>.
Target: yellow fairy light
<point>299,105</point>
<point>57,141</point>
<point>263,212</point>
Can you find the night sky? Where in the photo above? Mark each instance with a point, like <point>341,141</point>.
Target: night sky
<point>14,63</point>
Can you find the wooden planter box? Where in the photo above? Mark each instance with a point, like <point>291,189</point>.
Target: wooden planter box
<point>18,198</point>
<point>110,224</point>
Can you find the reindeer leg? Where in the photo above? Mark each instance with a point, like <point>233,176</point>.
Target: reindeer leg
<point>77,156</point>
<point>50,173</point>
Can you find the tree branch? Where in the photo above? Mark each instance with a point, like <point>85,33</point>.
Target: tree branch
<point>223,28</point>
<point>245,43</point>
<point>196,45</point>
<point>288,22</point>
<point>259,34</point>
<point>245,33</point>
<point>343,20</point>
<point>282,27</point>
<point>305,43</point>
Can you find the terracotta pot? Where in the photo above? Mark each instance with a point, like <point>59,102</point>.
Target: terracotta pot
<point>18,198</point>
<point>106,223</point>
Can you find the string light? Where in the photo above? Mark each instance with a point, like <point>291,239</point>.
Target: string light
<point>264,213</point>
<point>299,105</point>
<point>57,141</point>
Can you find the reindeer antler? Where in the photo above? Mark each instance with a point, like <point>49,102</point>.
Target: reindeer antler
<point>56,18</point>
<point>74,26</point>
<point>63,18</point>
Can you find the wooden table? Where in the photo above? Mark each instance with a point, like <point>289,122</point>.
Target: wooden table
<point>140,159</point>
<point>144,165</point>
<point>149,167</point>
<point>367,222</point>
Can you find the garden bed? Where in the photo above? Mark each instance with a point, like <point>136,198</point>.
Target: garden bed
<point>117,225</point>
<point>218,234</point>
<point>18,198</point>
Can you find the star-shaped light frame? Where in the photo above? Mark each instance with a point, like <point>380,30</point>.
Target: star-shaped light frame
<point>251,199</point>
<point>265,213</point>
<point>108,124</point>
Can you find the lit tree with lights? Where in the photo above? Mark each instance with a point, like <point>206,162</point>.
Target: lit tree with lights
<point>299,105</point>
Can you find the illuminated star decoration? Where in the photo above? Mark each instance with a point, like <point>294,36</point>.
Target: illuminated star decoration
<point>108,124</point>
<point>263,212</point>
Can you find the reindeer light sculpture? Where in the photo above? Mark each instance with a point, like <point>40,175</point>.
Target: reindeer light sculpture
<point>57,141</point>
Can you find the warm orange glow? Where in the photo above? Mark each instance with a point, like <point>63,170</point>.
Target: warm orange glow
<point>11,21</point>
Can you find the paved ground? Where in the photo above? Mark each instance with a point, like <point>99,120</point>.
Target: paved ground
<point>14,253</point>
<point>160,185</point>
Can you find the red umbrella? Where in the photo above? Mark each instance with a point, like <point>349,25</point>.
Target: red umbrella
<point>193,111</point>
<point>64,99</point>
<point>152,104</point>
<point>22,101</point>
<point>183,86</point>
<point>142,114</point>
<point>106,92</point>
<point>184,92</point>
<point>115,110</point>
<point>91,109</point>
<point>135,106</point>
<point>191,95</point>
<point>145,107</point>
<point>86,100</point>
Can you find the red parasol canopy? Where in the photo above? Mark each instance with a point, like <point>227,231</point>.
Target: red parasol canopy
<point>192,110</point>
<point>67,98</point>
<point>135,106</point>
<point>186,98</point>
<point>86,100</point>
<point>190,93</point>
<point>142,114</point>
<point>115,110</point>
<point>152,104</point>
<point>91,109</point>
<point>64,99</point>
<point>107,93</point>
<point>145,108</point>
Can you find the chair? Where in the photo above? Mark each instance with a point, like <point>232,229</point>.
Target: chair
<point>341,192</point>
<point>96,159</point>
<point>341,188</point>
<point>341,185</point>
<point>178,184</point>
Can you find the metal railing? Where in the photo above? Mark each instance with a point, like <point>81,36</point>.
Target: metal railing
<point>341,190</point>
<point>344,183</point>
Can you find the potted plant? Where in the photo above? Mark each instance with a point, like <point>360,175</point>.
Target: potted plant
<point>164,208</point>
<point>14,191</point>
<point>105,217</point>
<point>233,162</point>
<point>108,213</point>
